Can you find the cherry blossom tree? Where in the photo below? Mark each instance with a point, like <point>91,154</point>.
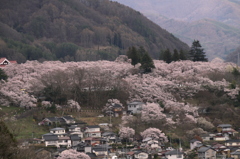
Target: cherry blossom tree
<point>154,133</point>
<point>126,132</point>
<point>108,108</point>
<point>152,112</point>
<point>70,154</point>
<point>73,104</point>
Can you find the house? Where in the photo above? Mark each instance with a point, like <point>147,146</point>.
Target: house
<point>152,143</point>
<point>83,147</point>
<point>174,154</point>
<point>60,132</point>
<point>235,154</point>
<point>114,109</point>
<point>4,62</point>
<point>226,130</point>
<point>206,153</point>
<point>234,143</point>
<point>117,110</point>
<point>207,137</point>
<point>50,139</point>
<point>220,137</point>
<point>101,150</point>
<point>64,142</point>
<point>75,139</point>
<point>224,127</point>
<point>75,130</point>
<point>92,131</point>
<point>94,141</point>
<point>195,143</point>
<point>50,121</point>
<point>57,121</point>
<point>69,119</point>
<point>141,155</point>
<point>135,107</point>
<point>110,137</point>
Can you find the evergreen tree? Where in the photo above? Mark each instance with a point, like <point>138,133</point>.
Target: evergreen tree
<point>167,56</point>
<point>175,56</point>
<point>147,63</point>
<point>196,52</point>
<point>3,75</point>
<point>182,55</point>
<point>133,54</point>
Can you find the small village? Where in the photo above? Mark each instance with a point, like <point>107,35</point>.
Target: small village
<point>99,141</point>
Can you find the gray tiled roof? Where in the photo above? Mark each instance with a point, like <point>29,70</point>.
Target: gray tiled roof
<point>75,138</point>
<point>50,137</point>
<point>56,129</point>
<point>203,149</point>
<point>93,126</point>
<point>173,152</point>
<point>224,125</point>
<point>68,117</point>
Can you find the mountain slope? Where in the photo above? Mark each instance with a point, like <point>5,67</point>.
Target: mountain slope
<point>77,30</point>
<point>187,20</point>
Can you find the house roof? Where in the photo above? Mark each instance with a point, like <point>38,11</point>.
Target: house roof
<point>68,117</point>
<point>204,149</point>
<point>50,137</point>
<point>73,126</point>
<point>117,105</point>
<point>147,139</point>
<point>64,138</point>
<point>93,126</point>
<point>174,152</point>
<point>92,155</point>
<point>108,133</point>
<point>56,129</point>
<point>75,137</point>
<point>52,119</point>
<point>194,140</point>
<point>236,152</point>
<point>225,125</point>
<point>234,140</point>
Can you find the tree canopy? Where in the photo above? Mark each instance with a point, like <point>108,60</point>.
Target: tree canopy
<point>3,75</point>
<point>196,52</point>
<point>141,56</point>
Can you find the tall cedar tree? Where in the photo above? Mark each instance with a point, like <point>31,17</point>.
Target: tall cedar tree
<point>182,55</point>
<point>175,56</point>
<point>196,52</point>
<point>167,56</point>
<point>133,54</point>
<point>3,75</point>
<point>147,63</point>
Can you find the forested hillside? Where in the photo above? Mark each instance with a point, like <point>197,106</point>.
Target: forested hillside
<point>77,30</point>
<point>215,24</point>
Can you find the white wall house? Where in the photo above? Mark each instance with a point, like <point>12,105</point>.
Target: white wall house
<point>135,107</point>
<point>74,128</point>
<point>92,131</point>
<point>58,131</point>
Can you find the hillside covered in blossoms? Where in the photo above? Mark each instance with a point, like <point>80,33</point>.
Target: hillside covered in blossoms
<point>186,94</point>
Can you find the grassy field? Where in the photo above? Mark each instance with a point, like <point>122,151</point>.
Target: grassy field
<point>24,125</point>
